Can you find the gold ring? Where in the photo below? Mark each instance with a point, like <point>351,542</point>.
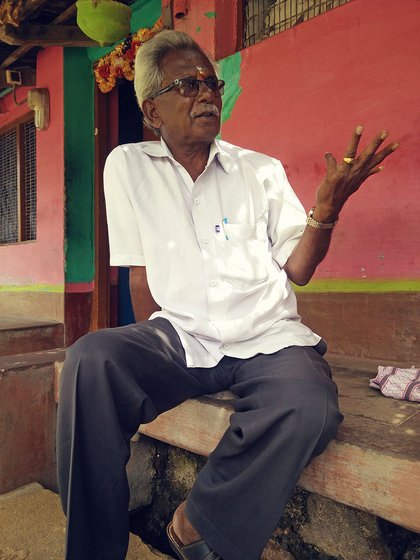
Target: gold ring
<point>348,160</point>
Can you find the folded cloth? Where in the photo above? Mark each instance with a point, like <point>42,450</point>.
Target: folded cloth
<point>398,383</point>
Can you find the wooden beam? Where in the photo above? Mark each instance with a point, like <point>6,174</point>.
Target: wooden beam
<point>28,77</point>
<point>66,15</point>
<point>21,51</point>
<point>15,55</point>
<point>45,36</point>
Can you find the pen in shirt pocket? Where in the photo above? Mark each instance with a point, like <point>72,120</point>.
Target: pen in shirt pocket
<point>217,228</point>
<point>224,222</point>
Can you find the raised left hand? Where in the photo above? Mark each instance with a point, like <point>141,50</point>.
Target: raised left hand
<point>345,178</point>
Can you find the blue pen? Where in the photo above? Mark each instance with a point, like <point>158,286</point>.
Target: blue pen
<point>225,221</point>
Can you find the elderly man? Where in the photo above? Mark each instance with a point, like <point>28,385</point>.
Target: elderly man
<point>213,234</point>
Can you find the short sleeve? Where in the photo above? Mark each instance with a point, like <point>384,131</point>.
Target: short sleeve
<point>287,217</point>
<point>124,236</point>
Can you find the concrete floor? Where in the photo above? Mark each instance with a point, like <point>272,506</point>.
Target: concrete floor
<point>32,527</point>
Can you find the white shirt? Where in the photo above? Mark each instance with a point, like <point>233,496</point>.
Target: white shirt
<point>213,249</point>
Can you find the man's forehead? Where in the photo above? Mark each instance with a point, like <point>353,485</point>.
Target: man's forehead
<point>180,64</point>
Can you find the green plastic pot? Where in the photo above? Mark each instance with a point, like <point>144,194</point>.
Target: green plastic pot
<point>104,21</point>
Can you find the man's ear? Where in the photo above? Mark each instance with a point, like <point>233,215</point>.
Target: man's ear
<point>151,113</point>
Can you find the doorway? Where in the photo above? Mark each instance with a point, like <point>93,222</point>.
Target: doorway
<point>118,120</point>
<point>130,129</point>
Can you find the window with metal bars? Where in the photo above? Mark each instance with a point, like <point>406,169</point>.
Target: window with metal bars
<point>18,183</point>
<point>264,18</point>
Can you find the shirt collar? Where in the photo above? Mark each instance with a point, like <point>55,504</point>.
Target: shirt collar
<point>160,149</point>
<point>223,157</point>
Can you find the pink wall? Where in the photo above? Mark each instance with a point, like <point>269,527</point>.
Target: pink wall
<point>305,89</point>
<point>196,23</point>
<point>212,23</point>
<point>42,261</point>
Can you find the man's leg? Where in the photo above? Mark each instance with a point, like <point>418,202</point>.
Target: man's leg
<point>112,381</point>
<point>285,414</point>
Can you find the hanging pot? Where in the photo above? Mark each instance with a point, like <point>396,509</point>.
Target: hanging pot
<point>104,21</point>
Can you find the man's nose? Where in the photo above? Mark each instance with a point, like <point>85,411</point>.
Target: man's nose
<point>204,91</point>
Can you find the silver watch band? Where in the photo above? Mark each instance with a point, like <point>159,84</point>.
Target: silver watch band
<point>319,225</point>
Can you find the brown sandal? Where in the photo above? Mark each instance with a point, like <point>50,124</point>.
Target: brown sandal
<point>199,550</point>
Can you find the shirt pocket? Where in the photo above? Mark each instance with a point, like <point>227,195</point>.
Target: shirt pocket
<point>245,251</point>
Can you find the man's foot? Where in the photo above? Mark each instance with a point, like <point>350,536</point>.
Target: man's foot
<point>182,527</point>
<point>198,550</point>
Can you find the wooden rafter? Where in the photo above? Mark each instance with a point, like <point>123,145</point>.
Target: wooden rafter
<point>21,51</point>
<point>45,36</point>
<point>66,15</point>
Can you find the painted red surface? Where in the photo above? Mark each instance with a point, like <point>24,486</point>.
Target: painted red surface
<point>212,23</point>
<point>199,25</point>
<point>303,92</point>
<point>9,111</point>
<point>42,261</point>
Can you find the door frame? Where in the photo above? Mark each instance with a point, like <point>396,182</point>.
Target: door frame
<point>106,138</point>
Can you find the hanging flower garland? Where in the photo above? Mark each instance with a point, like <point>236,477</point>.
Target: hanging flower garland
<point>120,62</point>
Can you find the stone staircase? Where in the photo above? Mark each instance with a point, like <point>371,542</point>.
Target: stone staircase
<point>28,350</point>
<point>19,335</point>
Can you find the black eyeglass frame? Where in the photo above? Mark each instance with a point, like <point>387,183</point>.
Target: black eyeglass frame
<point>178,84</point>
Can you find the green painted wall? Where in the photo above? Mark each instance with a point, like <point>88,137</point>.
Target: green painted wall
<point>79,147</point>
<point>230,71</point>
<point>78,165</point>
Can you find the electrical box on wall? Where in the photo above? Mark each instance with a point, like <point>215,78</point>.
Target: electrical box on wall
<point>13,78</point>
<point>38,100</point>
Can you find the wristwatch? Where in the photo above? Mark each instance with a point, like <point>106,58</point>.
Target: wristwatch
<point>319,225</point>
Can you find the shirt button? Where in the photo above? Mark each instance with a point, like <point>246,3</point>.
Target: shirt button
<point>205,240</point>
<point>196,201</point>
<point>213,282</point>
<point>226,346</point>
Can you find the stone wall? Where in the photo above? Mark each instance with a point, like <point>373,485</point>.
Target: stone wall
<point>311,528</point>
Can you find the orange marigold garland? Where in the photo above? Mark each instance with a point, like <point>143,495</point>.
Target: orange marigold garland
<point>120,62</point>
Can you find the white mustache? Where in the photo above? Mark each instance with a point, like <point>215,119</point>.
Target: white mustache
<point>205,109</point>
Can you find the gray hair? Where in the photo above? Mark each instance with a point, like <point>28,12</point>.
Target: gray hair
<point>148,74</point>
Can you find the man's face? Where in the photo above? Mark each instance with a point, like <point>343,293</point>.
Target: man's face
<point>187,120</point>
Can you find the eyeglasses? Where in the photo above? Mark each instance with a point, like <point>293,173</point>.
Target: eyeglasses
<point>189,87</point>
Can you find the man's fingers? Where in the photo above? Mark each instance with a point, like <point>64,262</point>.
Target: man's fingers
<point>354,142</point>
<point>371,148</point>
<point>375,170</point>
<point>331,162</point>
<point>380,156</point>
<point>387,150</point>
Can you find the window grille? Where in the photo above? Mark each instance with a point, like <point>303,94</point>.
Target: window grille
<point>18,183</point>
<point>30,180</point>
<point>264,18</point>
<point>8,188</point>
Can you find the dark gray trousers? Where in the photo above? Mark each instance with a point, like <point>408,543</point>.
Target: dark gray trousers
<point>113,380</point>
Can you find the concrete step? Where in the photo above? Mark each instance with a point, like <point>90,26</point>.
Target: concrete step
<point>32,527</point>
<point>372,465</point>
<point>19,335</point>
<point>28,418</point>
